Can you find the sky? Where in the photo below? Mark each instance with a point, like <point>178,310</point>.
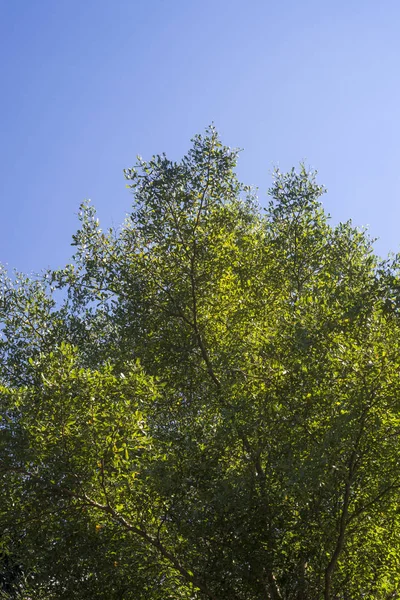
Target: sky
<point>89,84</point>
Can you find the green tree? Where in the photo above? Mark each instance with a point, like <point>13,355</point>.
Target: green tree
<point>209,408</point>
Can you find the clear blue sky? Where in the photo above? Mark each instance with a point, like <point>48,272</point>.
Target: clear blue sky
<point>86,85</point>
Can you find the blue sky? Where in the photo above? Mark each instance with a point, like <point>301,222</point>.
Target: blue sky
<point>89,84</point>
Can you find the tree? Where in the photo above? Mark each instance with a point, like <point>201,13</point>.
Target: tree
<point>205,403</point>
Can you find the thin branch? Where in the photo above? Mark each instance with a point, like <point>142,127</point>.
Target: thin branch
<point>154,542</point>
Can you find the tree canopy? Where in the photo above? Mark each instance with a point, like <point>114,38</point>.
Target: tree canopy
<point>203,405</point>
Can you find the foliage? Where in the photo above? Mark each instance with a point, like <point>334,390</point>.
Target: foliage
<point>211,410</point>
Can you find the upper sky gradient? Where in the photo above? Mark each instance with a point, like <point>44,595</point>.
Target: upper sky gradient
<point>86,85</point>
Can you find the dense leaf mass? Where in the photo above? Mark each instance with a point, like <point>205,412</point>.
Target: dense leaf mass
<point>205,403</point>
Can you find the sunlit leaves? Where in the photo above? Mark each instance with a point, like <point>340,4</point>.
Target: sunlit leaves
<point>209,407</point>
